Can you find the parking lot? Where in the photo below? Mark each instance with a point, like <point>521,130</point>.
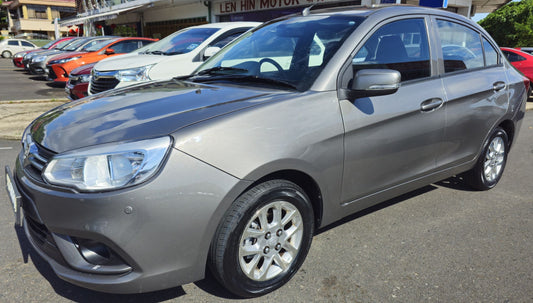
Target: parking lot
<point>20,85</point>
<point>441,243</point>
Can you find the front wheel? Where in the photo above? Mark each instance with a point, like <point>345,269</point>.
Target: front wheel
<point>6,54</point>
<point>263,238</point>
<point>491,163</point>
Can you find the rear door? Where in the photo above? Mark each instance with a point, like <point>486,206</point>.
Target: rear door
<point>26,45</point>
<point>392,139</point>
<point>475,82</point>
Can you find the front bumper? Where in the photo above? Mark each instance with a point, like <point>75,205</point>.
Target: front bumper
<point>76,91</point>
<point>37,68</point>
<point>18,62</point>
<point>57,73</point>
<point>157,234</point>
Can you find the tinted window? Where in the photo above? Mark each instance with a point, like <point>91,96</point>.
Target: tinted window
<point>461,47</point>
<point>512,57</point>
<point>92,43</point>
<point>125,46</point>
<point>11,42</point>
<point>400,45</point>
<point>182,41</point>
<point>491,55</point>
<point>226,38</point>
<point>75,44</point>
<point>25,43</point>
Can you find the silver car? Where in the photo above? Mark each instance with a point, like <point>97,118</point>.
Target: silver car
<point>293,126</point>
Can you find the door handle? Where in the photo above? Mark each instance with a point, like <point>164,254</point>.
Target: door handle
<point>431,104</point>
<point>498,86</point>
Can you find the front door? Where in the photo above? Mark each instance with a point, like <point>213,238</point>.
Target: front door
<point>392,139</point>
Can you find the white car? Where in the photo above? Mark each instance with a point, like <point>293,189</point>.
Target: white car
<point>176,55</point>
<point>9,47</point>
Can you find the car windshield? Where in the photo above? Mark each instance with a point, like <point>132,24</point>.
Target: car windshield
<point>49,44</point>
<point>181,42</point>
<point>289,52</point>
<point>98,45</point>
<point>76,44</point>
<point>66,43</point>
<point>90,44</point>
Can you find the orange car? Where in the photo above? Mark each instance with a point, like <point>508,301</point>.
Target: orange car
<point>60,66</point>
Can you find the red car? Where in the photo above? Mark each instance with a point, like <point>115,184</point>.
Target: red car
<point>522,61</point>
<point>60,66</point>
<point>17,58</point>
<point>78,81</point>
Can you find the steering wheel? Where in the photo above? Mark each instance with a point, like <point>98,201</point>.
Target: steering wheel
<point>268,60</point>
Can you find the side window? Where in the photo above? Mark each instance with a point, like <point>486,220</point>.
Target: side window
<point>227,38</point>
<point>125,46</point>
<point>512,57</point>
<point>25,43</point>
<point>491,55</point>
<point>400,45</point>
<point>144,43</point>
<point>13,42</point>
<point>461,47</point>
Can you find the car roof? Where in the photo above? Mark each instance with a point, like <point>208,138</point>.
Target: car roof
<point>383,10</point>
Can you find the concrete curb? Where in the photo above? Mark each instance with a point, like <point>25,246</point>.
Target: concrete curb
<point>33,101</point>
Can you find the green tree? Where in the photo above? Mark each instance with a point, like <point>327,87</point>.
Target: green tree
<point>511,25</point>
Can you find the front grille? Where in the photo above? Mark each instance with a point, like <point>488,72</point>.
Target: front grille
<point>42,238</point>
<point>73,80</point>
<point>100,84</point>
<point>51,74</point>
<point>36,158</point>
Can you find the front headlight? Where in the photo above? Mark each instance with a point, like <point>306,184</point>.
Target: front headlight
<point>19,55</point>
<point>38,59</point>
<point>134,74</point>
<point>61,61</point>
<point>85,78</point>
<point>108,166</point>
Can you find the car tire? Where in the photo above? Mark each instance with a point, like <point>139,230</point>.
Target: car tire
<point>263,239</point>
<point>491,163</point>
<point>6,54</point>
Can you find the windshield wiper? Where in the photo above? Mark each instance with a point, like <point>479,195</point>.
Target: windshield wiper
<point>214,70</point>
<point>156,53</point>
<point>247,78</point>
<point>172,53</point>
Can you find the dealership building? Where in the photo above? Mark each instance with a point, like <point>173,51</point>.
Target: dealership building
<point>159,18</point>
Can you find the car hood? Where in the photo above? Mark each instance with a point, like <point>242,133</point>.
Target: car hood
<point>68,55</point>
<point>83,70</point>
<point>140,112</point>
<point>127,62</point>
<point>40,52</point>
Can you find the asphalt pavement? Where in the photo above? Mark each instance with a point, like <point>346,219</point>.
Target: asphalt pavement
<point>18,85</point>
<point>441,243</point>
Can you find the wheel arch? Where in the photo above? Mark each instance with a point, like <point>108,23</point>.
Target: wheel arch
<point>509,127</point>
<point>306,182</point>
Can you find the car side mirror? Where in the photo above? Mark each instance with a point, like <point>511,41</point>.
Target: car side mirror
<point>373,82</point>
<point>109,51</point>
<point>210,52</point>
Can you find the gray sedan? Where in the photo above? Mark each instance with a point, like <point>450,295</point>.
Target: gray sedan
<point>295,125</point>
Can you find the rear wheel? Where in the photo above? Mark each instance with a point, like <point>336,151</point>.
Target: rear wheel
<point>490,165</point>
<point>263,239</point>
<point>6,54</point>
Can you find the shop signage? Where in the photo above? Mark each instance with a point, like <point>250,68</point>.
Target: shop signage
<point>241,6</point>
<point>434,3</point>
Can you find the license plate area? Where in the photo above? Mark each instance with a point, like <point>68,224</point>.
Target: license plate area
<point>14,196</point>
